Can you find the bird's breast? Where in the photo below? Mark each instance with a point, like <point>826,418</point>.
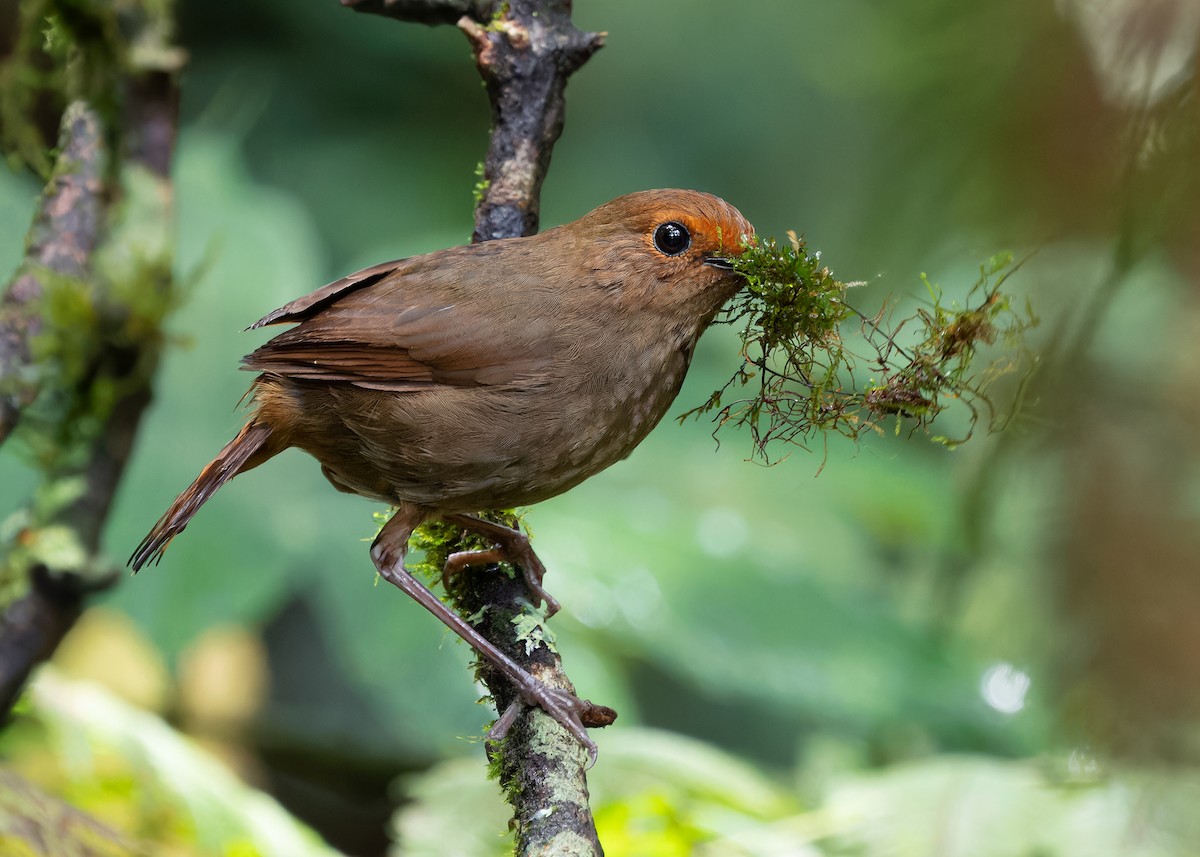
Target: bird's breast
<point>469,448</point>
<point>621,402</point>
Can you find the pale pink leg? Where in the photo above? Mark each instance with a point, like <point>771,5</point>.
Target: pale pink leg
<point>388,552</point>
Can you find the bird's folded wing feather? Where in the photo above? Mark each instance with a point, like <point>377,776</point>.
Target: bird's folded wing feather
<point>402,326</point>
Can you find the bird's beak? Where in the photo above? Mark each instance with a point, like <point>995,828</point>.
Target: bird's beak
<point>719,262</point>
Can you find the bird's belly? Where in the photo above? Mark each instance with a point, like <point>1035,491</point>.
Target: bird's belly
<point>469,449</point>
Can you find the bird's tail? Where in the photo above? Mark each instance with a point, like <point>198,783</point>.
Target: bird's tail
<point>251,447</point>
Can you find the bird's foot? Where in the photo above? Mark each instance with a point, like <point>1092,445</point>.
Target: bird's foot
<point>572,713</point>
<point>512,546</point>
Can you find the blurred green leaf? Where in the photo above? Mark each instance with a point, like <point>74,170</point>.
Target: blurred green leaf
<point>134,771</point>
<point>971,807</point>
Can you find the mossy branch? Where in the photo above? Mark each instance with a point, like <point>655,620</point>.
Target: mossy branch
<point>525,51</point>
<point>65,231</point>
<point>80,325</point>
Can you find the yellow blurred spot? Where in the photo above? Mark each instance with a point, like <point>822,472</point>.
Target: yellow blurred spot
<point>107,648</point>
<point>222,680</point>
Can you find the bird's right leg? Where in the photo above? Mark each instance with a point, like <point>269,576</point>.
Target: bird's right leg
<point>388,552</point>
<point>513,547</point>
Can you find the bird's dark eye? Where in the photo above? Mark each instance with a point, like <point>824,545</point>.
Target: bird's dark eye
<point>672,238</point>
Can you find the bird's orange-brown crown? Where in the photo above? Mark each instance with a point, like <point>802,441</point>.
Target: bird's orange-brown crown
<point>714,226</point>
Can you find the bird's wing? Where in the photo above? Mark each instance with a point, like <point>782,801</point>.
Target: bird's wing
<point>406,325</point>
<point>302,308</point>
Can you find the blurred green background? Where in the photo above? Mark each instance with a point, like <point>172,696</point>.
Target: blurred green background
<point>996,648</point>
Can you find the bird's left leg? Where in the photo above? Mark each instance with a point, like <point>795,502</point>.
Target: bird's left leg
<point>512,546</point>
<point>388,553</point>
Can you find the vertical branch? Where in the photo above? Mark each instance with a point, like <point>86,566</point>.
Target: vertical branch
<point>525,56</point>
<point>540,765</point>
<point>525,51</point>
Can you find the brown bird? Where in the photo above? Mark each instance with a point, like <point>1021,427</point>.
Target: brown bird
<point>486,376</point>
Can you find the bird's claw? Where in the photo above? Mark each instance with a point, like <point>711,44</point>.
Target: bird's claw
<point>572,713</point>
<point>533,570</point>
<point>512,546</point>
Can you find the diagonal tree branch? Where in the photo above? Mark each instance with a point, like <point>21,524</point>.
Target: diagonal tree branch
<point>82,323</point>
<point>525,57</point>
<point>64,233</point>
<point>525,51</point>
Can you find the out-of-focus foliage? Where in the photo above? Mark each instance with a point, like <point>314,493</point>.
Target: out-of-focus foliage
<point>1031,595</point>
<point>34,824</point>
<point>132,773</point>
<point>664,795</point>
<point>970,807</point>
<point>136,787</point>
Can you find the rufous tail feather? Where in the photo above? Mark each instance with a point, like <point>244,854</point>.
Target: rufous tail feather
<point>247,450</point>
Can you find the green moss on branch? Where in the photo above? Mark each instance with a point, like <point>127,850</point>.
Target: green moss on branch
<point>797,377</point>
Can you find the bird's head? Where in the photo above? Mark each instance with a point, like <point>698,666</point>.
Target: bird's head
<point>667,251</point>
